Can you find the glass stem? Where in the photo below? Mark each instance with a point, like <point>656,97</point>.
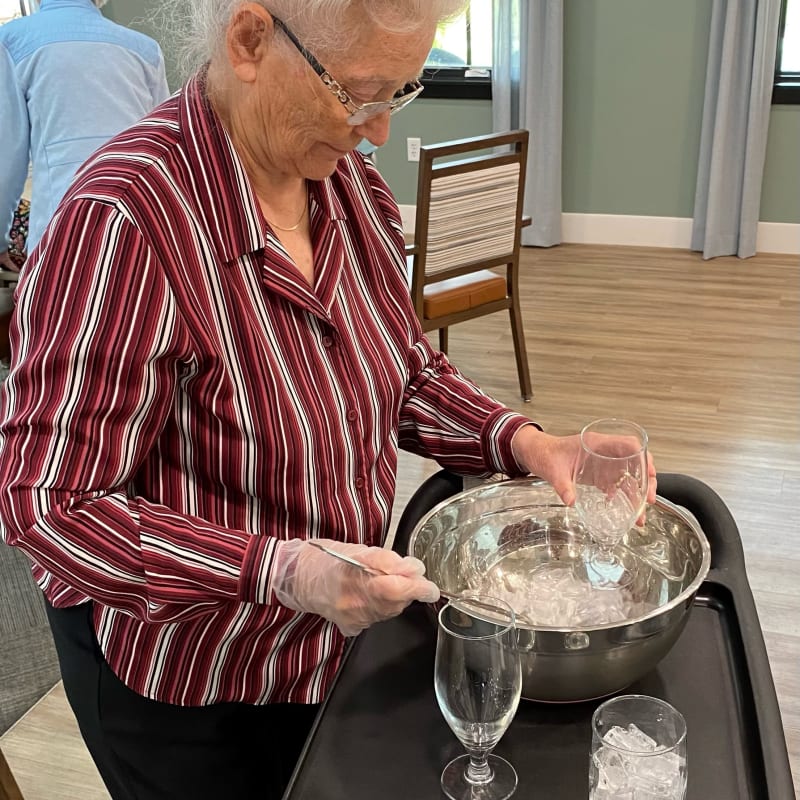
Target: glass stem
<point>605,554</point>
<point>478,769</point>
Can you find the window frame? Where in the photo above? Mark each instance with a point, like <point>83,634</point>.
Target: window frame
<point>452,82</point>
<point>25,7</point>
<point>786,85</point>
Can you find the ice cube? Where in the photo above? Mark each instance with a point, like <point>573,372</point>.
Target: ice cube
<point>640,740</point>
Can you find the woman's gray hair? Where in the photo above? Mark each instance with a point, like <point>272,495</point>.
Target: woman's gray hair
<point>100,3</point>
<point>197,27</point>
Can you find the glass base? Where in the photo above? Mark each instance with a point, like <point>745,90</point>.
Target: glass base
<point>606,571</point>
<point>501,785</point>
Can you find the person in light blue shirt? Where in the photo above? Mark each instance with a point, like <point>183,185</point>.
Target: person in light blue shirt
<point>70,79</point>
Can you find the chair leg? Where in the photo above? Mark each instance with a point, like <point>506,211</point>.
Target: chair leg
<point>520,352</point>
<point>443,339</point>
<point>8,786</point>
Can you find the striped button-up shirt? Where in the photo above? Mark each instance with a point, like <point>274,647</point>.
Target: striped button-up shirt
<point>181,400</point>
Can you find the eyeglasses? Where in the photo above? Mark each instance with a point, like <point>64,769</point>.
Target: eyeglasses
<point>358,114</point>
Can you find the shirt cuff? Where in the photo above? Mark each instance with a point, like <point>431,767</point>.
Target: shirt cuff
<point>254,583</point>
<point>496,439</point>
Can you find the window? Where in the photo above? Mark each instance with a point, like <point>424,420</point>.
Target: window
<point>9,9</point>
<point>460,62</point>
<point>787,61</point>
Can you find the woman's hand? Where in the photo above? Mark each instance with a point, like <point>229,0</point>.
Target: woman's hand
<point>554,458</point>
<point>307,579</point>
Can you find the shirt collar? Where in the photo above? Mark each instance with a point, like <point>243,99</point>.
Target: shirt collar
<point>224,192</point>
<point>50,5</point>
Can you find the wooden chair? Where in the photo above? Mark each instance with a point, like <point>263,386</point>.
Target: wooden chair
<point>8,786</point>
<point>7,282</point>
<point>468,223</point>
<point>5,345</point>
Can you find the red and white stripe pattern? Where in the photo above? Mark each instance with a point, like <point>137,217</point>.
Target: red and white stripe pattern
<point>180,400</point>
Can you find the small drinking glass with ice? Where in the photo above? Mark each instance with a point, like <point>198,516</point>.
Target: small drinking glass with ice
<point>638,750</point>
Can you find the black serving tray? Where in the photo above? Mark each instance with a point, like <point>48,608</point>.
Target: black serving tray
<point>380,733</point>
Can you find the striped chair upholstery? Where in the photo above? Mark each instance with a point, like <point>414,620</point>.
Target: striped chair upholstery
<point>471,217</point>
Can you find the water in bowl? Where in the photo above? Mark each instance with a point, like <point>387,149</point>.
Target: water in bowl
<point>543,577</point>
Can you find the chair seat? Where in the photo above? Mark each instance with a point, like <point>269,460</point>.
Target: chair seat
<point>462,293</point>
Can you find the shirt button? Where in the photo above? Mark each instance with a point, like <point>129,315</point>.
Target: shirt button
<point>352,415</point>
<point>359,483</point>
<point>327,341</point>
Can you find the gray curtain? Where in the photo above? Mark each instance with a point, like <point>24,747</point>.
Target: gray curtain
<point>733,141</point>
<point>526,93</point>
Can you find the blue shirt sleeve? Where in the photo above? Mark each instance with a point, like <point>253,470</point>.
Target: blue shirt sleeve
<point>160,89</point>
<point>16,145</point>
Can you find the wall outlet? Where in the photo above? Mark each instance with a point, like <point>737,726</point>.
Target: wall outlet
<point>413,143</point>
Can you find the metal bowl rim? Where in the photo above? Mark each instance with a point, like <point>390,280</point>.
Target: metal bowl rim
<point>684,514</point>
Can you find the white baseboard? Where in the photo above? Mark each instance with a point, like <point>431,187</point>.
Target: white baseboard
<point>778,237</point>
<point>624,229</point>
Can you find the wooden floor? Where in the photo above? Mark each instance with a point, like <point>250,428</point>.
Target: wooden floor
<point>705,355</point>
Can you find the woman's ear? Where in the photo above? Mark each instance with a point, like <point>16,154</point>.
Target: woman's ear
<point>249,35</point>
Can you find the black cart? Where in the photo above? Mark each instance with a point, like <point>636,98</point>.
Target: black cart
<point>380,734</point>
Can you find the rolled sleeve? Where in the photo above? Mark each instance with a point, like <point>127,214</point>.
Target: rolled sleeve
<point>497,437</point>
<point>70,454</point>
<point>254,584</point>
<point>448,418</point>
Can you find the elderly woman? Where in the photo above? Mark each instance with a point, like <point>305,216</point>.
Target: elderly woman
<point>215,359</point>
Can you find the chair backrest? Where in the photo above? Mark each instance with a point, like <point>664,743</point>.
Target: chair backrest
<point>469,205</point>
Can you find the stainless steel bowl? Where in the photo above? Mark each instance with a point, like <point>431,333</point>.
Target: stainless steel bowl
<point>461,539</point>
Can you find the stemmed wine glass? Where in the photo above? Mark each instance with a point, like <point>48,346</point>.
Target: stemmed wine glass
<point>478,680</point>
<point>611,491</point>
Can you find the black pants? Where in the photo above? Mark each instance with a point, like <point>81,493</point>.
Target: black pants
<point>146,750</point>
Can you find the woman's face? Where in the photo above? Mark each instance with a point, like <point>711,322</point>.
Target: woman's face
<point>298,127</point>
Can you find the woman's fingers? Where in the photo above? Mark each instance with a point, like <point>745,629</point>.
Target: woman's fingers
<point>402,590</point>
<point>388,561</point>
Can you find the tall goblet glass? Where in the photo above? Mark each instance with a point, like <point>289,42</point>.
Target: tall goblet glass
<point>611,493</point>
<point>478,680</point>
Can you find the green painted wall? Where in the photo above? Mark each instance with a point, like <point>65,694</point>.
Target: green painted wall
<point>634,74</point>
<point>634,78</point>
<point>780,190</point>
<point>432,121</point>
<point>138,14</point>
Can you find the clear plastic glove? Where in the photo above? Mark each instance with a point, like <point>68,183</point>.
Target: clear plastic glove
<point>307,579</point>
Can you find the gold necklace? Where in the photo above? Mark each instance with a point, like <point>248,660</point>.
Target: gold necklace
<point>298,223</point>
